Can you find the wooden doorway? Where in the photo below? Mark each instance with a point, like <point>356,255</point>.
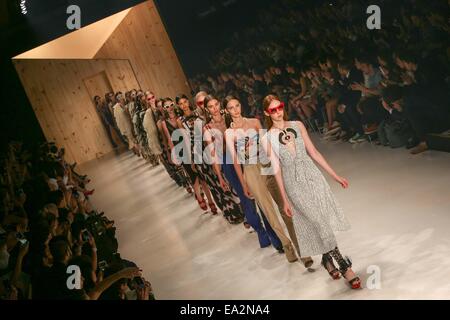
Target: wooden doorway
<point>99,85</point>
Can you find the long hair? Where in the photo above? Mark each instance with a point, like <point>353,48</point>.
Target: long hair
<point>266,103</point>
<point>183,96</point>
<point>225,102</point>
<point>209,98</point>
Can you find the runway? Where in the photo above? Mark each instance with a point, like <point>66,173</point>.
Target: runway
<point>398,205</point>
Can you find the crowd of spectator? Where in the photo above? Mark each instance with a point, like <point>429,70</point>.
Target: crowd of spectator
<point>49,228</point>
<point>340,77</point>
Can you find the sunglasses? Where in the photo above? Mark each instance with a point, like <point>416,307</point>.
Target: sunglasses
<point>200,103</point>
<point>274,110</point>
<point>169,105</point>
<point>151,98</point>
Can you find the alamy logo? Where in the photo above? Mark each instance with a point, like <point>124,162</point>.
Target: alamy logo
<point>74,20</point>
<point>374,280</point>
<point>374,20</point>
<point>74,278</point>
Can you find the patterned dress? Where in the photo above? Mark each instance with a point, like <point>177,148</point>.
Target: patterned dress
<point>177,173</point>
<point>225,201</point>
<point>317,213</point>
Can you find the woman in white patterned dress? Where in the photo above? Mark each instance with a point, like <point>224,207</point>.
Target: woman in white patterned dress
<point>307,195</point>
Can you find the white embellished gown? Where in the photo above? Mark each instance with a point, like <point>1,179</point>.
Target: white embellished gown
<point>316,212</point>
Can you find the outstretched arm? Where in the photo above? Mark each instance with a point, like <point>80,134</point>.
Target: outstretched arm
<point>317,156</point>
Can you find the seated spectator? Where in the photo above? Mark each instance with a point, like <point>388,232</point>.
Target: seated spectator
<point>423,116</point>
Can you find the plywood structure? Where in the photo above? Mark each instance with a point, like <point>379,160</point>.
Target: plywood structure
<point>59,91</point>
<point>137,54</point>
<point>141,38</point>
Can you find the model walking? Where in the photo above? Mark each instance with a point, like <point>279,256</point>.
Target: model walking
<point>307,195</point>
<point>253,183</point>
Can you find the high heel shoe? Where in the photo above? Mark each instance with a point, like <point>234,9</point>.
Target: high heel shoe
<point>327,263</point>
<point>202,204</point>
<point>354,283</point>
<point>213,208</point>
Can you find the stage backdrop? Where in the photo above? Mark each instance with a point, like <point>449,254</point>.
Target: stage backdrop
<point>61,92</point>
<point>137,54</point>
<point>142,38</point>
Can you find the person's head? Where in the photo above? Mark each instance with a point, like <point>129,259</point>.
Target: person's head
<point>392,97</point>
<point>257,74</point>
<point>383,59</point>
<point>224,76</point>
<point>110,97</point>
<point>97,100</point>
<point>212,106</point>
<point>273,109</point>
<point>159,104</point>
<point>127,97</point>
<point>60,250</point>
<point>232,106</point>
<point>408,60</point>
<point>150,98</point>
<point>51,208</point>
<point>366,65</point>
<point>344,68</point>
<point>67,215</point>
<point>357,64</point>
<point>119,98</point>
<point>200,99</point>
<point>56,197</point>
<point>168,107</point>
<point>184,103</point>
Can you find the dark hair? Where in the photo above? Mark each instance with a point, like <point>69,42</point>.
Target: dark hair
<point>58,249</point>
<point>179,97</point>
<point>208,98</point>
<point>366,60</point>
<point>85,265</point>
<point>345,65</point>
<point>55,197</point>
<point>227,116</point>
<point>392,93</point>
<point>117,93</point>
<point>407,55</point>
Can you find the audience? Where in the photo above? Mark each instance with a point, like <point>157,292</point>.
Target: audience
<point>47,224</point>
<point>330,69</point>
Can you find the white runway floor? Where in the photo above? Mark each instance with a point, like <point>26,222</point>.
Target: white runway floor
<point>398,205</point>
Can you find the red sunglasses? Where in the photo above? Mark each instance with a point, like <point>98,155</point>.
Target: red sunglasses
<point>274,110</point>
<point>200,103</point>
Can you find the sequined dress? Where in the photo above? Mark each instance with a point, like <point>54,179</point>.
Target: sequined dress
<point>317,213</point>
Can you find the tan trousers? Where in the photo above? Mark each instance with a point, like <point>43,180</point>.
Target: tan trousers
<point>272,186</point>
<point>257,187</point>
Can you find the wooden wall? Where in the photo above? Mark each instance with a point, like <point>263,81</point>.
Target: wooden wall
<point>59,93</point>
<point>142,38</point>
<point>138,54</point>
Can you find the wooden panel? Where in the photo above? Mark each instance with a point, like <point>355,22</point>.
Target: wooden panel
<point>63,104</point>
<point>142,39</point>
<point>98,84</point>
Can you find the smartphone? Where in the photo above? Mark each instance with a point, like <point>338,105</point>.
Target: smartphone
<point>102,265</point>
<point>85,235</point>
<point>139,282</point>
